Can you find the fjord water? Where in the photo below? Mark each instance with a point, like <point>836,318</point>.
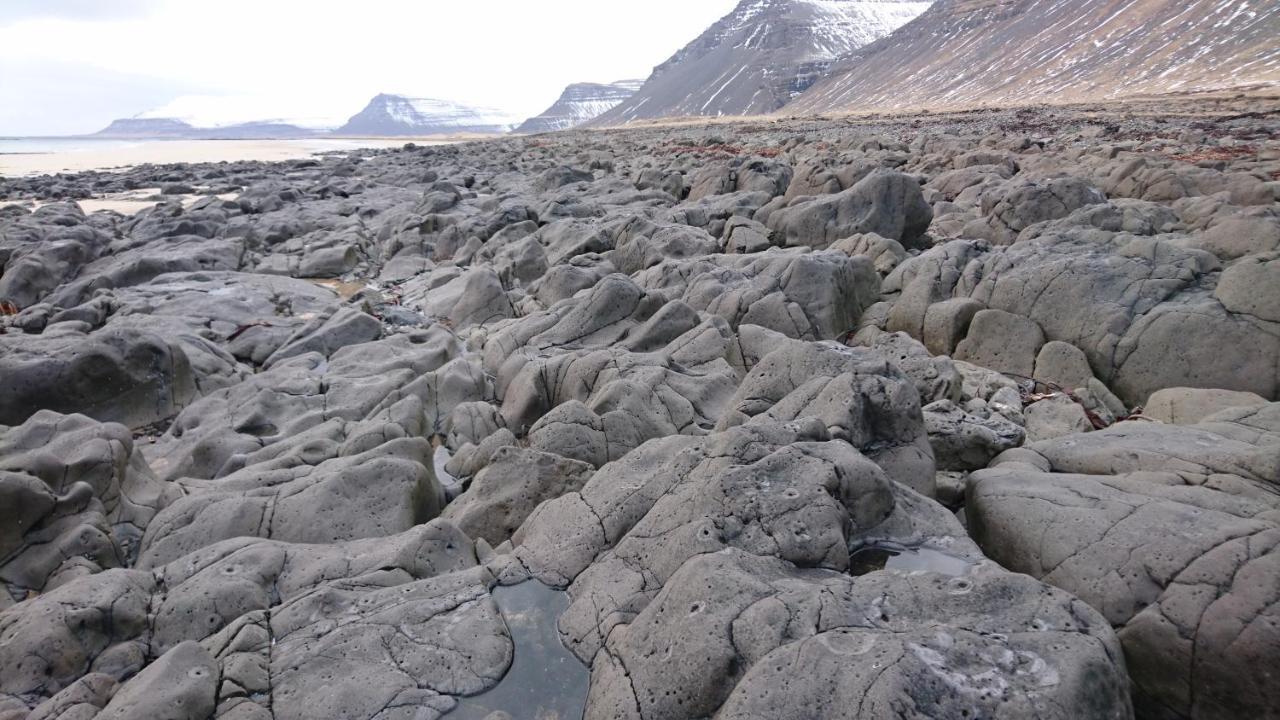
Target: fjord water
<point>21,157</point>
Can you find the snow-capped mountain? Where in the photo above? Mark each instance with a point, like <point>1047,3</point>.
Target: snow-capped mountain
<point>398,115</point>
<point>760,56</point>
<point>579,103</point>
<point>966,52</point>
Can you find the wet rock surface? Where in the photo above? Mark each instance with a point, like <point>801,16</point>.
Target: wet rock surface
<point>665,422</point>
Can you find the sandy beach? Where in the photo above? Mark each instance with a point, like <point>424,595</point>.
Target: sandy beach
<point>77,156</point>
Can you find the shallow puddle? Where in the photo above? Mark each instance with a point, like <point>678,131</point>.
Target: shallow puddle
<point>904,559</point>
<point>545,681</point>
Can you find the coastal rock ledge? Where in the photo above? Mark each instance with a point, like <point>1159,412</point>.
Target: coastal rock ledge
<point>955,416</point>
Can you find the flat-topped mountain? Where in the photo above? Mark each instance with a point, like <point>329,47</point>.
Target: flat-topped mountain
<point>397,115</point>
<point>172,128</point>
<point>760,56</point>
<point>147,128</point>
<point>963,52</point>
<point>579,103</point>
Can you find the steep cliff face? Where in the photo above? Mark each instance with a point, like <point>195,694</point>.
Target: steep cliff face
<point>396,115</point>
<point>760,56</point>
<point>579,103</point>
<point>965,52</point>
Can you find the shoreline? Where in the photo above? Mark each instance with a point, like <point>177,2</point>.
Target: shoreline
<point>81,156</point>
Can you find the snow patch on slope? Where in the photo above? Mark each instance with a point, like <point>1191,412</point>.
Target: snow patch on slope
<point>967,52</point>
<point>413,111</point>
<point>580,103</point>
<point>762,55</point>
<point>402,115</point>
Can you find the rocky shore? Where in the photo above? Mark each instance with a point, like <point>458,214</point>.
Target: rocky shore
<point>938,416</point>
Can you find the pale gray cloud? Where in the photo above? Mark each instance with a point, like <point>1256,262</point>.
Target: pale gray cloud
<point>49,98</point>
<point>14,10</point>
<point>321,58</point>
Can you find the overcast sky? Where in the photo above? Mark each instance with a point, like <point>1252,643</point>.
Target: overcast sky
<point>72,66</point>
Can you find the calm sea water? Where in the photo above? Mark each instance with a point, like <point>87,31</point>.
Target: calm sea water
<point>21,157</point>
<point>45,146</point>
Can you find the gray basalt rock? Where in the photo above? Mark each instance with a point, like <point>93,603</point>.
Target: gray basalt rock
<point>521,262</point>
<point>512,485</point>
<point>963,441</point>
<point>811,296</point>
<point>647,367</point>
<point>182,684</point>
<point>83,699</point>
<point>745,236</point>
<point>473,297</point>
<point>379,492</point>
<point>692,498</point>
<point>471,422</point>
<point>471,459</point>
<point>856,394</point>
<point>78,497</point>
<point>885,254</point>
<point>572,430</point>
<point>928,279</point>
<point>703,379</point>
<point>1064,365</point>
<point>936,378</point>
<point>741,174</point>
<point>1239,235</point>
<point>1013,207</point>
<point>326,334</point>
<point>1169,531</point>
<point>214,314</point>
<point>45,249</point>
<point>236,598</point>
<point>944,646</point>
<point>210,589</point>
<point>113,645</point>
<point>947,323</point>
<point>1129,302</point>
<point>307,409</point>
<point>125,375</point>
<point>642,246</point>
<point>128,264</point>
<point>813,177</point>
<point>679,389</point>
<point>671,183</point>
<point>1003,342</point>
<point>1188,406</point>
<point>1252,287</point>
<point>560,176</point>
<point>670,571</point>
<point>886,203</point>
<point>1054,417</point>
<point>564,281</point>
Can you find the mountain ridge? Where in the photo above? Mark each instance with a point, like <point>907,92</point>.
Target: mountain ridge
<point>392,115</point>
<point>967,52</point>
<point>759,57</point>
<point>579,103</point>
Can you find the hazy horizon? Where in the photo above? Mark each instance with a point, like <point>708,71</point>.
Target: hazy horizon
<point>70,67</point>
